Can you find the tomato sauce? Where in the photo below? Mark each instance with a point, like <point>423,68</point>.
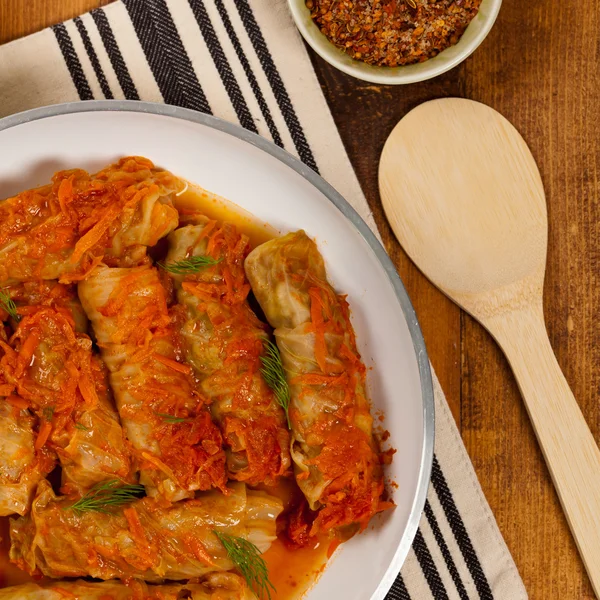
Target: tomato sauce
<point>196,199</point>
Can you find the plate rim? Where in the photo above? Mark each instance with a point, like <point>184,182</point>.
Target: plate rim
<point>427,394</point>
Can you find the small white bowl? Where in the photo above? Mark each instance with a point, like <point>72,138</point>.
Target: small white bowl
<point>444,61</point>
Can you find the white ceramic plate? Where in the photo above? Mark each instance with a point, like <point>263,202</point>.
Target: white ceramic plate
<point>277,188</point>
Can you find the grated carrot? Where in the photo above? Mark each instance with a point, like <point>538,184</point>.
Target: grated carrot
<point>65,194</point>
<point>42,438</point>
<point>318,379</point>
<point>18,402</point>
<point>94,235</point>
<point>173,364</point>
<point>88,391</point>
<point>26,353</point>
<point>156,462</point>
<point>196,547</point>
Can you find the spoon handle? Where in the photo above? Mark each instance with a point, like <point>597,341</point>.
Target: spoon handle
<point>569,448</point>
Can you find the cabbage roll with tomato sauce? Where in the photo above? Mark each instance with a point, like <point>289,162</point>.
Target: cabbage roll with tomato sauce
<point>336,459</point>
<point>219,586</point>
<point>141,540</point>
<point>223,340</point>
<point>178,447</point>
<point>22,465</point>
<point>64,229</point>
<point>29,295</point>
<point>53,373</point>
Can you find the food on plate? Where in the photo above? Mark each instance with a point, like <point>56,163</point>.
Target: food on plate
<point>22,466</point>
<point>28,296</point>
<point>393,34</point>
<point>178,447</point>
<point>336,460</point>
<point>64,229</point>
<point>142,539</point>
<point>50,369</point>
<point>219,586</point>
<point>224,341</point>
<point>156,434</point>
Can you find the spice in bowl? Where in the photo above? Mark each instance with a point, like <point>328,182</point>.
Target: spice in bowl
<point>393,33</point>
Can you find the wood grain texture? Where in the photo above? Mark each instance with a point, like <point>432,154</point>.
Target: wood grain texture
<point>22,17</point>
<point>465,199</point>
<point>539,67</point>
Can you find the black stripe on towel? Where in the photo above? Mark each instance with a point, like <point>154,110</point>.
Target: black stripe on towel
<point>460,533</point>
<point>114,54</point>
<point>428,567</point>
<point>166,55</point>
<point>398,590</point>
<point>439,537</point>
<point>89,48</point>
<point>262,103</point>
<point>276,83</point>
<point>75,69</point>
<point>222,64</point>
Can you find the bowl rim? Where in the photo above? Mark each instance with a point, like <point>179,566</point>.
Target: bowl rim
<point>423,365</point>
<point>387,75</point>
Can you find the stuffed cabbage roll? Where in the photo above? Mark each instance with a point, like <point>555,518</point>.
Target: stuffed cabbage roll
<point>49,369</point>
<point>22,466</point>
<point>223,340</point>
<point>336,460</point>
<point>179,449</point>
<point>221,586</point>
<point>142,540</point>
<point>63,229</point>
<point>29,295</point>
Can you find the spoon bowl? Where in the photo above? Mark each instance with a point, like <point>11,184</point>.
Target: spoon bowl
<point>464,195</point>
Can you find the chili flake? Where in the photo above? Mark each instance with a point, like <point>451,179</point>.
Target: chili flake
<point>393,32</point>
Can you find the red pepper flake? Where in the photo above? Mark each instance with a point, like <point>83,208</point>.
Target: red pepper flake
<point>392,33</point>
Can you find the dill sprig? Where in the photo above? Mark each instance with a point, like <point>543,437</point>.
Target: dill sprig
<point>8,304</point>
<point>171,418</point>
<point>81,426</point>
<point>247,558</point>
<point>274,374</point>
<point>106,496</point>
<point>48,413</point>
<point>193,264</point>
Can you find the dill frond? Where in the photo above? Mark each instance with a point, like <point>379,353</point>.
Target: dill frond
<point>193,264</point>
<point>106,496</point>
<point>171,418</point>
<point>274,375</point>
<point>247,558</point>
<point>8,304</point>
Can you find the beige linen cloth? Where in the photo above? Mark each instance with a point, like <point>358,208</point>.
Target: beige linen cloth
<point>244,61</point>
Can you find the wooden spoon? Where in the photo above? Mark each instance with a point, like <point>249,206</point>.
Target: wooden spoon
<point>465,199</point>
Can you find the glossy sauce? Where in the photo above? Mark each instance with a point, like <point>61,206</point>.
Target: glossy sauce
<point>196,199</point>
<point>292,572</point>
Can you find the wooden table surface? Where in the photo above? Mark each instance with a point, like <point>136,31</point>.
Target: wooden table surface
<point>540,67</point>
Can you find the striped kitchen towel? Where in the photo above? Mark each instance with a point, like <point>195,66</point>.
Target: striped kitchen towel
<point>244,61</point>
